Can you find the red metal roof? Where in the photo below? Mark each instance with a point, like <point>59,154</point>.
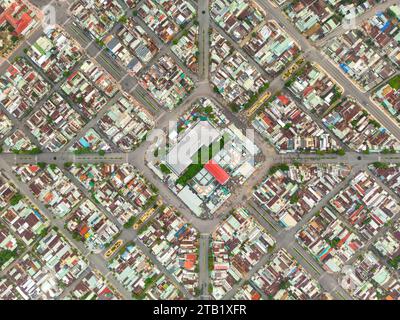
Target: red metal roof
<point>217,172</point>
<point>13,11</point>
<point>284,100</point>
<point>23,23</point>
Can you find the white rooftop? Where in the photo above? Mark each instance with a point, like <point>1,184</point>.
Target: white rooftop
<point>180,156</point>
<point>191,200</point>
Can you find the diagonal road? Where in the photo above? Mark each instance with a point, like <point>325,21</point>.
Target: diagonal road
<point>285,239</point>
<point>357,21</point>
<point>315,55</point>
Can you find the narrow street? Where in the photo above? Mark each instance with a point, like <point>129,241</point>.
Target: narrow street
<point>242,196</point>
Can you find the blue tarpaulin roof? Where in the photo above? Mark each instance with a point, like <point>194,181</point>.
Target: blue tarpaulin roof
<point>345,67</point>
<point>384,28</point>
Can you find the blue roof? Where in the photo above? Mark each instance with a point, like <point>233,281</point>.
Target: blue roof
<point>344,67</point>
<point>37,214</point>
<point>387,25</point>
<point>84,143</point>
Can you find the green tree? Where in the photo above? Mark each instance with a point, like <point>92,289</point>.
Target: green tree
<point>16,198</point>
<point>41,165</point>
<point>164,169</point>
<point>341,152</point>
<point>6,255</point>
<point>123,20</point>
<point>380,165</point>
<point>294,198</point>
<point>129,224</point>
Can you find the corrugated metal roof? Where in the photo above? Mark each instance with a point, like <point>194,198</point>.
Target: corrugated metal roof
<point>218,173</point>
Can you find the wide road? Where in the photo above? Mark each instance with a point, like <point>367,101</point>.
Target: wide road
<point>314,54</point>
<point>203,16</point>
<point>60,158</point>
<point>137,158</point>
<point>203,264</point>
<point>95,260</point>
<point>357,21</point>
<point>285,239</point>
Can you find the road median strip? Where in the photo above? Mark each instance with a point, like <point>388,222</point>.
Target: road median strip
<point>306,260</point>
